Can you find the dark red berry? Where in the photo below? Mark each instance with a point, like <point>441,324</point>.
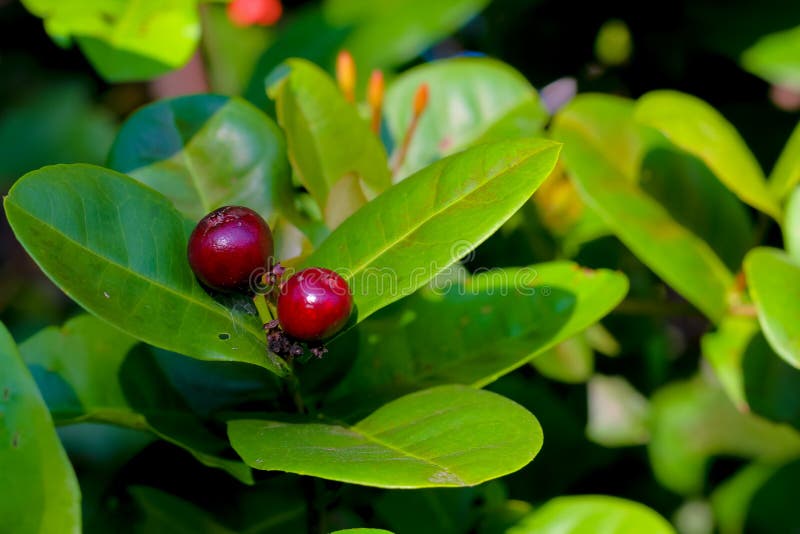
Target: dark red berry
<point>229,246</point>
<point>314,304</point>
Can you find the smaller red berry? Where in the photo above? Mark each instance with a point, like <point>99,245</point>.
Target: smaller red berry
<point>229,246</point>
<point>314,304</point>
<point>252,12</point>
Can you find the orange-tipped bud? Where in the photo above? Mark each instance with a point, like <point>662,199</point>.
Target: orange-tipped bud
<point>346,74</point>
<point>375,89</point>
<point>420,99</point>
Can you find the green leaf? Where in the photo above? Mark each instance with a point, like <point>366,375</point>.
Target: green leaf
<point>731,499</point>
<point>41,493</point>
<point>676,255</point>
<point>725,350</point>
<point>774,283</point>
<point>791,226</point>
<point>786,173</point>
<point>425,223</point>
<point>118,248</point>
<point>771,385</point>
<point>206,151</point>
<point>328,141</point>
<point>362,531</point>
<point>471,100</point>
<point>692,421</point>
<point>471,333</point>
<point>389,33</point>
<point>127,40</point>
<point>87,371</point>
<point>167,513</point>
<point>588,514</point>
<point>701,130</point>
<point>776,58</point>
<point>444,436</point>
<point>450,511</point>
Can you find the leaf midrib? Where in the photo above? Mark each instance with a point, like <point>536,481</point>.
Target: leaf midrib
<point>388,247</point>
<point>126,268</point>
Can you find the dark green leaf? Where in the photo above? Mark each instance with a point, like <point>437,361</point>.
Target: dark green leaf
<point>206,151</point>
<point>589,514</point>
<point>774,283</point>
<point>400,240</point>
<point>471,100</point>
<point>166,513</point>
<point>472,333</point>
<point>444,436</point>
<point>118,248</point>
<point>771,385</point>
<point>41,493</point>
<point>731,499</point>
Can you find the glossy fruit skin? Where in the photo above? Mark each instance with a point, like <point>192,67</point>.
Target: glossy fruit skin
<point>314,304</point>
<point>228,246</point>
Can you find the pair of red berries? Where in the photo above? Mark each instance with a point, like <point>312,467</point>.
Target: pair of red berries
<point>233,243</point>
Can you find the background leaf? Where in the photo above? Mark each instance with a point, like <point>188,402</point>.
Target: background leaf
<point>725,351</point>
<point>166,513</point>
<point>469,98</point>
<point>776,58</point>
<point>206,151</point>
<point>444,436</point>
<point>127,40</point>
<point>791,226</point>
<point>431,219</point>
<point>701,130</point>
<point>45,495</point>
<point>684,261</point>
<point>786,173</point>
<point>118,248</point>
<point>327,140</point>
<point>774,283</point>
<point>587,514</point>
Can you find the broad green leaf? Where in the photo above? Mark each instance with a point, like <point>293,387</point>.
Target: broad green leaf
<point>776,58</point>
<point>118,248</point>
<point>786,173</point>
<point>433,218</point>
<point>327,139</point>
<point>206,151</point>
<point>473,332</point>
<point>699,129</point>
<point>40,491</point>
<point>772,506</point>
<point>125,40</point>
<point>362,531</point>
<point>617,412</point>
<point>693,421</point>
<point>443,436</point>
<point>391,32</point>
<point>774,283</point>
<point>791,225</point>
<point>589,514</point>
<point>725,350</point>
<point>167,513</point>
<point>676,255</point>
<point>731,499</point>
<point>87,371</point>
<point>468,98</point>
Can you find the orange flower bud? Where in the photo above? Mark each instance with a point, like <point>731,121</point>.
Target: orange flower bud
<point>346,74</point>
<point>420,99</point>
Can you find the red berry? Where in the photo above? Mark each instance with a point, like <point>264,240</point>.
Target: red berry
<point>314,304</point>
<point>228,246</point>
<point>250,12</point>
